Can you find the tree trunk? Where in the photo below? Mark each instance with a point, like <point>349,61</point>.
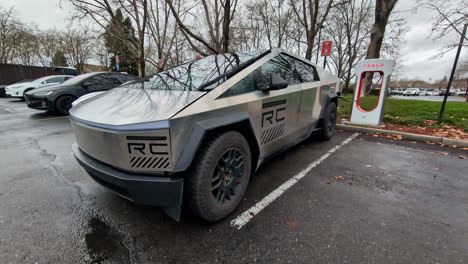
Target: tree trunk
<point>226,24</point>
<point>141,57</point>
<point>383,9</point>
<point>310,46</point>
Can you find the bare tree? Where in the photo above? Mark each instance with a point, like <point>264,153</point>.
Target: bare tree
<point>102,11</point>
<point>48,43</point>
<point>349,29</point>
<point>9,35</point>
<point>217,15</point>
<point>27,49</point>
<point>382,12</point>
<point>312,15</point>
<point>163,31</point>
<point>78,47</point>
<point>450,17</point>
<point>383,9</point>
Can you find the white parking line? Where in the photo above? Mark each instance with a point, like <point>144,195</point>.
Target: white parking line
<point>41,119</point>
<point>246,216</point>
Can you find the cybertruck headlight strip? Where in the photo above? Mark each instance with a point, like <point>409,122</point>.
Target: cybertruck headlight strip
<point>147,126</point>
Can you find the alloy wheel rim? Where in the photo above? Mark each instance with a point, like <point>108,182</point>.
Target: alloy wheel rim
<point>66,103</point>
<point>227,176</point>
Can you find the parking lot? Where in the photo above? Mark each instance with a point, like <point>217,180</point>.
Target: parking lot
<point>431,98</point>
<point>367,200</point>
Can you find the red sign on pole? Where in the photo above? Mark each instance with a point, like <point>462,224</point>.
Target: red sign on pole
<point>326,48</point>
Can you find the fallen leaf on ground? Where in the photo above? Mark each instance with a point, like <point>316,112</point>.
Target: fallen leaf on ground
<point>437,169</point>
<point>444,153</point>
<point>339,177</point>
<point>462,157</point>
<point>292,224</point>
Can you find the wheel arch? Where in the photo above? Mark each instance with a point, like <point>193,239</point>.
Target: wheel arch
<point>206,129</point>
<point>28,89</point>
<point>60,96</point>
<point>331,98</point>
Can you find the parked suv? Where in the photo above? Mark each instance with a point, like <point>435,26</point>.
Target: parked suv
<point>411,91</point>
<point>201,129</point>
<point>59,98</point>
<point>18,89</point>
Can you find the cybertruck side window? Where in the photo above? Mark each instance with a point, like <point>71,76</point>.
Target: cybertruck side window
<point>280,65</point>
<point>245,85</point>
<point>307,72</point>
<point>283,66</point>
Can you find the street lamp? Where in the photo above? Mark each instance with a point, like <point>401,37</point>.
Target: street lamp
<point>318,44</point>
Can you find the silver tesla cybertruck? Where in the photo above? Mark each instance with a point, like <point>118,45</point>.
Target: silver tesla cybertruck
<point>196,132</point>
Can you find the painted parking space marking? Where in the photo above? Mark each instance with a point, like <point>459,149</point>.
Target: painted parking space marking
<point>246,216</point>
<point>51,118</point>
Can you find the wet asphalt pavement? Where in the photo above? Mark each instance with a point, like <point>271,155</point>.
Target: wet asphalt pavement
<point>395,202</point>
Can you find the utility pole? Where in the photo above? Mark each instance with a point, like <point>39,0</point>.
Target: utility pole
<point>454,68</point>
<point>318,44</point>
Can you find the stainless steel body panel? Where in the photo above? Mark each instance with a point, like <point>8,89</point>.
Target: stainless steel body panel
<point>122,106</point>
<point>131,151</point>
<point>277,117</point>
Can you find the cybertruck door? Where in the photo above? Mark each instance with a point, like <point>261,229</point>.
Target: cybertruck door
<point>310,106</point>
<point>280,108</point>
<point>279,116</point>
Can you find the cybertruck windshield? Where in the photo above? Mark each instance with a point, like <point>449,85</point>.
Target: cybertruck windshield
<point>199,75</point>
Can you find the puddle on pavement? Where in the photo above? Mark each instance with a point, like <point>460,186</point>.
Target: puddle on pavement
<point>105,244</point>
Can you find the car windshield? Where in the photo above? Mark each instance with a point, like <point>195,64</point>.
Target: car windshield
<point>198,75</point>
<point>412,89</point>
<point>78,78</point>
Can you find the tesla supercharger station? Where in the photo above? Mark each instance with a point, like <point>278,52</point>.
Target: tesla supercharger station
<point>377,66</point>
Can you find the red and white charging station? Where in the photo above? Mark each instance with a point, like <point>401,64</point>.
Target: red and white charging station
<point>384,68</point>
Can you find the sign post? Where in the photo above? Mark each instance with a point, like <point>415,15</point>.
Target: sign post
<point>326,51</point>
<point>454,68</point>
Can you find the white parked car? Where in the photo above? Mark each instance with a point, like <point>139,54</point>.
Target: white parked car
<point>411,91</point>
<point>18,89</point>
<point>461,92</point>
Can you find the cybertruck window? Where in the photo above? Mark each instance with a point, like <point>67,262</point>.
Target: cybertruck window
<point>200,75</point>
<point>284,67</point>
<point>281,65</point>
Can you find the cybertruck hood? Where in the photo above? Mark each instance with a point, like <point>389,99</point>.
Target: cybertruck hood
<point>126,106</point>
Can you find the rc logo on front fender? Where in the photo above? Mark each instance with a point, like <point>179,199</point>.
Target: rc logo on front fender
<point>146,152</point>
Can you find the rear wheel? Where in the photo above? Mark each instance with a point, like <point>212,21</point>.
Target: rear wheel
<point>219,176</point>
<point>63,104</point>
<point>329,122</point>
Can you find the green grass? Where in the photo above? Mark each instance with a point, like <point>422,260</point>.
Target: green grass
<point>412,112</point>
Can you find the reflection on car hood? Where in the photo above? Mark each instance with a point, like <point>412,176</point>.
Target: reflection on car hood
<point>124,106</point>
<point>47,88</point>
<point>19,85</point>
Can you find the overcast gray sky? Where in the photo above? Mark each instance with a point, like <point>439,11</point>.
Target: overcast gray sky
<point>417,51</point>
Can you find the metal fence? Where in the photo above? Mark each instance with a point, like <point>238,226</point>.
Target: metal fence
<point>12,73</point>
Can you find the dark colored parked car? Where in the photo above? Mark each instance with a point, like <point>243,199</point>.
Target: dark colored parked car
<point>59,98</point>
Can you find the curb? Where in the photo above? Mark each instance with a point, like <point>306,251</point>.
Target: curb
<point>411,136</point>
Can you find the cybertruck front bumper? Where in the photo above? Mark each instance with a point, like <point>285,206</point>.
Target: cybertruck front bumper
<point>163,191</point>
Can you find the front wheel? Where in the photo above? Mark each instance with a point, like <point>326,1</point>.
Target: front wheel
<point>219,176</point>
<point>329,122</point>
<point>64,104</point>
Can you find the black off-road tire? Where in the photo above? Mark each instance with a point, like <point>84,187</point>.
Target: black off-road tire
<point>63,104</point>
<point>201,177</point>
<point>329,122</point>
